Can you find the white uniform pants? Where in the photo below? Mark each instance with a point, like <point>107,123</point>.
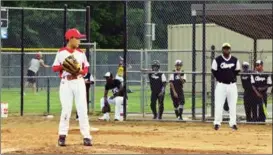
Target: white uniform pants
<point>69,90</point>
<point>118,102</point>
<point>223,91</point>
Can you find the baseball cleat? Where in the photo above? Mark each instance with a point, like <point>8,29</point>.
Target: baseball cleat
<point>103,118</point>
<point>87,142</point>
<point>234,127</point>
<point>61,141</point>
<point>216,127</point>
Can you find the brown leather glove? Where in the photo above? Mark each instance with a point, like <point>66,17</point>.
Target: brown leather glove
<point>106,108</point>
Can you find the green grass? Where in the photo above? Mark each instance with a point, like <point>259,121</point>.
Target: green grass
<point>38,103</point>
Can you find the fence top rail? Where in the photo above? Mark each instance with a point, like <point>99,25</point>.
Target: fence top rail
<point>190,50</point>
<point>54,50</point>
<point>42,9</point>
<point>145,71</point>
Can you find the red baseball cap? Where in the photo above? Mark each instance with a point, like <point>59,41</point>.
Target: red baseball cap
<point>73,33</point>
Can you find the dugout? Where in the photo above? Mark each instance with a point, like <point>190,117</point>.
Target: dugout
<point>252,20</point>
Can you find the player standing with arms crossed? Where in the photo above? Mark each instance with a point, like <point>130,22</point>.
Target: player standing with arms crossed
<point>260,84</point>
<point>177,79</point>
<point>72,65</point>
<point>248,92</point>
<point>225,68</point>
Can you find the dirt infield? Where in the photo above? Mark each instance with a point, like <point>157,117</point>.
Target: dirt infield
<point>37,135</point>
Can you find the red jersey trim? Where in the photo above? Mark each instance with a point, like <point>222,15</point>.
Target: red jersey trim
<point>58,69</point>
<point>78,49</point>
<point>66,49</point>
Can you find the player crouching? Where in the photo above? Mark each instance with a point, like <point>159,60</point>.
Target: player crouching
<point>117,98</point>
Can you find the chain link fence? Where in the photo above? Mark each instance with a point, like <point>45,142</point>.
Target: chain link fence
<point>157,30</point>
<point>165,30</point>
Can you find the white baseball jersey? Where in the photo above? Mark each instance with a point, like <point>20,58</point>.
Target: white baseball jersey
<point>64,53</point>
<point>35,65</point>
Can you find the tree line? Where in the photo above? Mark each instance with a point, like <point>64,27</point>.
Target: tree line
<point>44,29</point>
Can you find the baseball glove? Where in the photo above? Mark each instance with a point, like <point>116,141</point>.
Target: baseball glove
<point>71,65</point>
<point>106,108</point>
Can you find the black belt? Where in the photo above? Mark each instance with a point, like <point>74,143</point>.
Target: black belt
<point>226,82</point>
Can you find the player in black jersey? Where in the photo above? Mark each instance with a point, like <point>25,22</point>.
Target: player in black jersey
<point>225,68</point>
<point>177,79</point>
<point>248,92</point>
<point>157,84</point>
<point>116,99</point>
<point>260,84</point>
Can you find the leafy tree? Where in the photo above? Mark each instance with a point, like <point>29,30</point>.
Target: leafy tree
<point>45,28</point>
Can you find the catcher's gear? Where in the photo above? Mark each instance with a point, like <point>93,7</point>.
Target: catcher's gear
<point>71,65</point>
<point>106,108</point>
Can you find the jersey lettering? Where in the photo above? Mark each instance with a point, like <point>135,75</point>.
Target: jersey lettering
<point>257,78</point>
<point>244,77</point>
<point>226,65</point>
<point>155,76</point>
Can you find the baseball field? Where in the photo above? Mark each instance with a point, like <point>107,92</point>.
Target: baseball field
<point>38,135</point>
<point>33,133</point>
<point>37,103</point>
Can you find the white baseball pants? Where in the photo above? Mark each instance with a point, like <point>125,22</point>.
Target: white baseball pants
<point>69,90</point>
<point>118,102</point>
<point>223,91</point>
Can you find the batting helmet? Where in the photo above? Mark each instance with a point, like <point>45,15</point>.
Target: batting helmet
<point>178,63</point>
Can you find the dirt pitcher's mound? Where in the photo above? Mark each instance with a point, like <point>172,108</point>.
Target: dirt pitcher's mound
<point>39,136</point>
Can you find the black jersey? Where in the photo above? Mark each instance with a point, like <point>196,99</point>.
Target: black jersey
<point>175,78</point>
<point>261,80</point>
<point>246,82</point>
<point>115,87</point>
<point>225,70</point>
<point>157,81</point>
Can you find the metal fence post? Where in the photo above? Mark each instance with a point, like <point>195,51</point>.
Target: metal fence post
<point>93,89</point>
<point>204,64</point>
<point>193,62</point>
<point>145,80</point>
<point>65,23</point>
<point>87,49</point>
<point>22,61</point>
<point>48,96</point>
<point>142,109</point>
<point>212,82</point>
<point>125,48</point>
